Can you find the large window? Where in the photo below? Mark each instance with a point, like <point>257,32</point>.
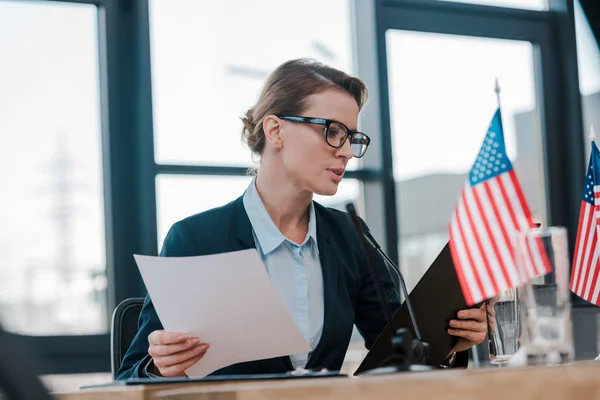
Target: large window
<point>442,100</point>
<point>588,57</point>
<point>52,268</point>
<point>210,59</point>
<point>179,196</point>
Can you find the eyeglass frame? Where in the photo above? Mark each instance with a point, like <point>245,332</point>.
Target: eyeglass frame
<point>326,123</point>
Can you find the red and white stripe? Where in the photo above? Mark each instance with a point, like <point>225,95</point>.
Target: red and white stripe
<point>586,265</point>
<point>481,233</point>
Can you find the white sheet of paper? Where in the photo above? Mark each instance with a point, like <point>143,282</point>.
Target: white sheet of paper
<point>228,301</point>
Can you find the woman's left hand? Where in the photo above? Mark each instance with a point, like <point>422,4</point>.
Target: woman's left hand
<point>471,328</point>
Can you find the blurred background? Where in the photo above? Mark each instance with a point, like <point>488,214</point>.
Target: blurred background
<point>120,117</point>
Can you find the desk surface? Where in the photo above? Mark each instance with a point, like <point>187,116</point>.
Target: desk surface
<point>577,381</point>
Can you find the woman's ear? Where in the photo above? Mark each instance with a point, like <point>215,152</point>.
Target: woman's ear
<point>272,128</point>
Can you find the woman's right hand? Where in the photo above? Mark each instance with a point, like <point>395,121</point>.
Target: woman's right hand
<point>172,353</point>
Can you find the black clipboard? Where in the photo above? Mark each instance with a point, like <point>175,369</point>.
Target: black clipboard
<point>436,300</point>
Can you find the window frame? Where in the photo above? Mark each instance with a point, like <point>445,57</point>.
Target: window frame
<point>552,33</point>
<point>560,101</point>
<point>128,178</point>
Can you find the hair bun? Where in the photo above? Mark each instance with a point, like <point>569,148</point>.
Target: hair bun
<point>249,130</point>
<point>248,121</point>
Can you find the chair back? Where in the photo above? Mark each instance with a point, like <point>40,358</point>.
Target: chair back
<point>124,327</point>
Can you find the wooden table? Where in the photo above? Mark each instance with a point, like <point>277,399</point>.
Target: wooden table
<point>577,381</point>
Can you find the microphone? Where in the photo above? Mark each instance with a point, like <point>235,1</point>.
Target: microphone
<point>395,268</point>
<point>378,287</point>
<point>371,240</point>
<point>406,351</point>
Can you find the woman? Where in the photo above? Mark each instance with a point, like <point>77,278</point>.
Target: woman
<point>303,127</point>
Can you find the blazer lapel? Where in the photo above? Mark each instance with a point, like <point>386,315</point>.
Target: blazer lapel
<point>241,228</point>
<point>328,254</point>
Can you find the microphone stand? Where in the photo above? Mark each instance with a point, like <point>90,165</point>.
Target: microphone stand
<point>408,354</point>
<point>393,266</point>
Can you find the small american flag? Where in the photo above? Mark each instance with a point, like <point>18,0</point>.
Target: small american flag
<point>584,272</point>
<point>490,210</point>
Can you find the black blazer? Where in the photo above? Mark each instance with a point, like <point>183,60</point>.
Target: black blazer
<point>349,295</point>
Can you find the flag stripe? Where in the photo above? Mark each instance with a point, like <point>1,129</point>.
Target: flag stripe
<point>468,265</point>
<point>538,251</point>
<point>537,263</point>
<point>594,287</point>
<point>493,195</point>
<point>456,255</point>
<point>466,268</point>
<point>589,244</point>
<point>496,230</point>
<point>587,282</point>
<point>494,261</point>
<point>581,244</point>
<point>537,255</point>
<point>475,260</point>
<point>577,252</point>
<point>507,207</point>
<point>528,260</point>
<point>526,213</point>
<point>474,221</point>
<point>543,264</point>
<point>510,225</point>
<point>579,289</point>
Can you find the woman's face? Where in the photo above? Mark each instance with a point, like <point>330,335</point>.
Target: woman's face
<point>307,158</point>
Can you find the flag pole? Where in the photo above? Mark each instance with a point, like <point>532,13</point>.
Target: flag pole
<point>497,90</point>
<point>594,173</point>
<point>491,341</point>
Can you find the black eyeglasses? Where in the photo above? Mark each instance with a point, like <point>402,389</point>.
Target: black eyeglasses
<point>336,134</point>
